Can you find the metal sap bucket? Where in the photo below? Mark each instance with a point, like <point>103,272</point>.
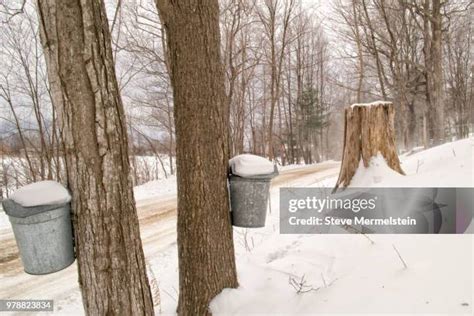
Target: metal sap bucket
<point>249,199</point>
<point>43,235</point>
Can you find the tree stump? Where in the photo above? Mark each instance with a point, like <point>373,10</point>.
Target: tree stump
<point>368,130</point>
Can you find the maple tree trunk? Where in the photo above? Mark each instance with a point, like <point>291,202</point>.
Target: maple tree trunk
<point>201,112</point>
<point>111,264</point>
<point>368,130</point>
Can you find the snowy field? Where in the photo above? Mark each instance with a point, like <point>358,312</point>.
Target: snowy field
<point>329,274</point>
<point>351,274</point>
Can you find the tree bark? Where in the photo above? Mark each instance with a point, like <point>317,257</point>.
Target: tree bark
<point>432,51</point>
<point>368,130</point>
<point>85,93</point>
<point>205,244</point>
<point>437,73</point>
<point>359,50</point>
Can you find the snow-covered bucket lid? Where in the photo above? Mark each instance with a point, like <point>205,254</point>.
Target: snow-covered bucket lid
<point>250,166</point>
<point>41,193</point>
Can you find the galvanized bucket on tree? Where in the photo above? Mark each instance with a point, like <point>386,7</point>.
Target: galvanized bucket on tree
<point>43,235</point>
<point>249,199</point>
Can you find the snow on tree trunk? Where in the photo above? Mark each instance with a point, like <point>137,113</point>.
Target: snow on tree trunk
<point>368,130</point>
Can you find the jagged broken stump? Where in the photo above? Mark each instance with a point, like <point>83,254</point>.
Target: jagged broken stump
<point>368,130</point>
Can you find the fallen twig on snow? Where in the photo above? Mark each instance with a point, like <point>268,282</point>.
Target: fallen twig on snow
<point>400,256</point>
<point>301,286</point>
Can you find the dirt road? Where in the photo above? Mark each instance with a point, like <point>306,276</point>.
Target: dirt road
<point>157,225</point>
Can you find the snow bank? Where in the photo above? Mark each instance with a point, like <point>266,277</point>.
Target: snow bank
<point>41,193</point>
<point>348,274</point>
<point>377,172</point>
<point>447,165</point>
<point>156,189</point>
<point>247,165</point>
<point>375,103</point>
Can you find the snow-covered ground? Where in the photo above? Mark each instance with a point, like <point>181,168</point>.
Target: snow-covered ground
<point>344,274</point>
<point>4,222</point>
<point>352,274</point>
<point>448,165</point>
<point>298,165</point>
<point>156,189</point>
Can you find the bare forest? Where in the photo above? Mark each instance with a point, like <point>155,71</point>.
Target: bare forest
<point>170,128</point>
<point>291,67</point>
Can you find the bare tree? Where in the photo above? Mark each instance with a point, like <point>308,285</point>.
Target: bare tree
<point>85,93</point>
<point>25,93</point>
<point>402,44</point>
<point>205,244</point>
<point>275,19</point>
